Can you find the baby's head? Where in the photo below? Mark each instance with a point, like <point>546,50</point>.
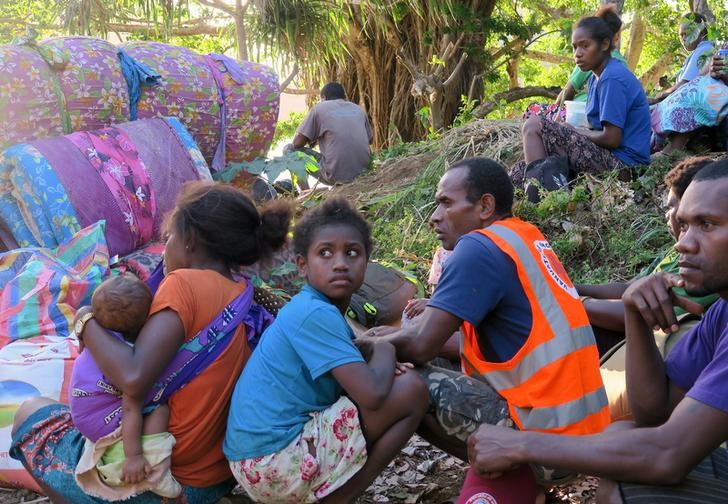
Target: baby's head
<point>122,304</point>
<point>332,243</point>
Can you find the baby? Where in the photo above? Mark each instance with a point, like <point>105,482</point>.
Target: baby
<point>120,304</point>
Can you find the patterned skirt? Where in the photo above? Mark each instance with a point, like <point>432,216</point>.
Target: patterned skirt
<point>584,155</point>
<point>702,102</point>
<point>49,446</point>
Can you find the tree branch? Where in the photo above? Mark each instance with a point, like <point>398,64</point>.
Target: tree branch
<point>547,57</point>
<point>180,31</point>
<point>288,79</point>
<point>408,64</point>
<point>219,5</point>
<point>451,48</point>
<point>653,74</point>
<point>512,95</point>
<point>308,92</point>
<point>514,45</point>
<point>456,71</point>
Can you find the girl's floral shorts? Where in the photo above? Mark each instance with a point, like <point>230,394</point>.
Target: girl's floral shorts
<point>328,452</point>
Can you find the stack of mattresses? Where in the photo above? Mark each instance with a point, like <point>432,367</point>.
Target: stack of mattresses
<point>68,84</point>
<point>128,175</point>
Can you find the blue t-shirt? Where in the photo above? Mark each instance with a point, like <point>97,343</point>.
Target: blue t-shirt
<point>617,97</point>
<point>699,361</point>
<point>288,376</point>
<point>690,68</point>
<point>480,284</point>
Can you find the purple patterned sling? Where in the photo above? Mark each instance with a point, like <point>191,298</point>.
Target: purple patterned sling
<point>96,404</point>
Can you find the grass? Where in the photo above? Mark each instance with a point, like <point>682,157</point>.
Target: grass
<point>603,229</point>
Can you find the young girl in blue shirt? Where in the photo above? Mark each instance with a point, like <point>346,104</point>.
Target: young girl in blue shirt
<point>313,417</point>
<point>617,111</point>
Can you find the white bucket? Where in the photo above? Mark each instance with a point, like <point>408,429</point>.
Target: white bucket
<point>576,114</point>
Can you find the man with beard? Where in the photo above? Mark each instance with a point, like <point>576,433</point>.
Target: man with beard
<point>680,405</point>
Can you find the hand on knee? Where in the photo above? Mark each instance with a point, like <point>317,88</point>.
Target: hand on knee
<point>416,389</point>
<point>608,492</point>
<point>532,126</point>
<point>27,408</point>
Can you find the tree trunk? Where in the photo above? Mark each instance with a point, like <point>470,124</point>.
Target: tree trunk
<point>512,69</point>
<point>702,7</point>
<point>650,78</point>
<point>241,34</point>
<point>636,41</point>
<point>373,77</point>
<point>512,95</point>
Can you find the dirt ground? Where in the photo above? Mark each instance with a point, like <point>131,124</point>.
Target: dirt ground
<point>421,474</point>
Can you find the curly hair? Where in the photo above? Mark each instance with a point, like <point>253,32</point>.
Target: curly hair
<point>226,222</point>
<point>333,211</point>
<point>713,171</point>
<point>122,304</point>
<point>679,177</point>
<point>486,176</point>
<point>333,91</point>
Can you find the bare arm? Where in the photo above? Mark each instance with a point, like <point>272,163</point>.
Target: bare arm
<point>613,290</point>
<point>135,468</point>
<point>134,369</point>
<point>609,137</point>
<point>667,92</point>
<point>424,341</point>
<point>300,141</point>
<point>657,455</point>
<point>567,93</point>
<point>451,349</point>
<point>605,313</point>
<point>649,303</point>
<point>369,384</point>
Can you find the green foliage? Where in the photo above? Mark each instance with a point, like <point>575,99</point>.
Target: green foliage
<point>286,129</point>
<point>298,164</point>
<point>465,112</point>
<point>424,114</point>
<point>603,229</point>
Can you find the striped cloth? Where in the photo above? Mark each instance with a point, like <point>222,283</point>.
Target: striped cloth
<point>706,484</point>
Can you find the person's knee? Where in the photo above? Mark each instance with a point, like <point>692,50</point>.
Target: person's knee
<point>26,409</point>
<point>608,492</point>
<point>414,389</point>
<point>532,126</point>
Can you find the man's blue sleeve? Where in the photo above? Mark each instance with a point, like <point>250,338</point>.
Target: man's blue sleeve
<point>474,279</point>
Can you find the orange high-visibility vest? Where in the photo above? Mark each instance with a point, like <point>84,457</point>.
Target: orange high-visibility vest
<point>553,383</point>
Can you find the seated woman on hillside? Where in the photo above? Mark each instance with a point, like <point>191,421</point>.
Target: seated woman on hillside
<point>701,103</point>
<point>617,111</point>
<point>694,38</point>
<point>575,88</point>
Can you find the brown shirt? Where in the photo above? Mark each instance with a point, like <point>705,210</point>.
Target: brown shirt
<point>343,133</point>
<point>198,412</point>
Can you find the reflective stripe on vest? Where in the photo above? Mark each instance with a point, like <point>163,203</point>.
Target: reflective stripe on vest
<point>546,352</point>
<point>567,416</point>
<point>564,414</point>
